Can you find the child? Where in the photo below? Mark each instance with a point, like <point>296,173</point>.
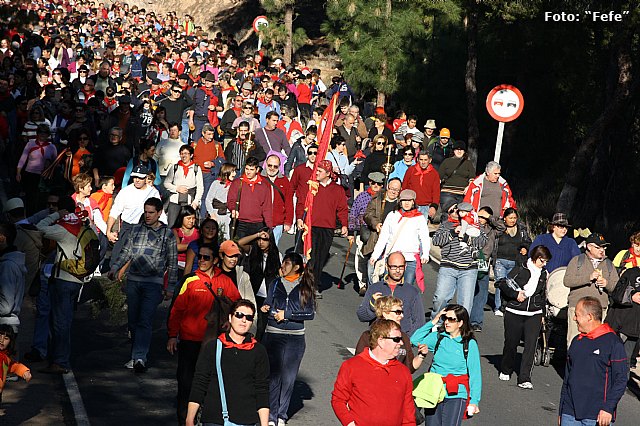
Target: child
<point>104,196</point>
<point>7,365</point>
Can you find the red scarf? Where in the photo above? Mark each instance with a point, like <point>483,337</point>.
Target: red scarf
<point>226,184</point>
<point>244,346</point>
<point>251,183</point>
<point>633,259</point>
<point>372,192</point>
<point>238,111</point>
<point>40,146</point>
<point>185,167</point>
<point>213,100</point>
<point>410,213</point>
<point>597,332</point>
<point>419,172</point>
<point>155,93</point>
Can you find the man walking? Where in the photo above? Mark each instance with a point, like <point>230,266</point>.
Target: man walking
<point>152,249</point>
<point>373,387</point>
<point>424,179</point>
<point>281,197</point>
<point>596,372</point>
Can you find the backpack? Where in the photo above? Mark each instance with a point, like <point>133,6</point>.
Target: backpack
<point>87,255</point>
<point>465,347</point>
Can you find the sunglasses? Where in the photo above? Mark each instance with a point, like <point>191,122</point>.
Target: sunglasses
<point>312,153</point>
<point>396,339</point>
<point>397,311</point>
<point>176,90</point>
<point>451,319</point>
<point>241,315</point>
<point>379,143</point>
<point>235,256</point>
<point>272,166</point>
<point>408,154</point>
<point>206,257</point>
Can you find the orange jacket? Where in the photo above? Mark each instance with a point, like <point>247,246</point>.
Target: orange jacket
<point>7,365</point>
<point>193,302</point>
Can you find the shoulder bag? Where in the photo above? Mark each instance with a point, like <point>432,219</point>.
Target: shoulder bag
<point>223,396</point>
<point>344,178</point>
<point>380,265</point>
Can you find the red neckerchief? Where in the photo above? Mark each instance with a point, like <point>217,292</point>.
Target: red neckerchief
<point>251,183</point>
<point>40,146</point>
<point>185,167</point>
<point>226,184</point>
<point>104,199</point>
<point>597,332</point>
<point>213,100</point>
<point>157,92</point>
<point>419,172</point>
<point>455,222</point>
<point>238,111</point>
<point>410,213</point>
<point>372,192</point>
<point>244,346</point>
<point>632,258</point>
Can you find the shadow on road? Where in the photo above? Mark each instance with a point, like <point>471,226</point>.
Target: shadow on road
<point>301,392</point>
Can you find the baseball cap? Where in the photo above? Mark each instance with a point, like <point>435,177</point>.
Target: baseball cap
<point>13,203</point>
<point>229,248</point>
<point>597,239</point>
<point>140,172</point>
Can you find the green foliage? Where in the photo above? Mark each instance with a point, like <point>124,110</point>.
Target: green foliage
<point>367,36</point>
<point>114,302</point>
<point>275,36</point>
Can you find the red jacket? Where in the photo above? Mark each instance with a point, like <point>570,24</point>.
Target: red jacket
<point>330,202</point>
<point>299,186</point>
<point>282,204</point>
<point>186,318</point>
<point>426,183</point>
<point>473,193</point>
<point>369,393</point>
<point>255,201</point>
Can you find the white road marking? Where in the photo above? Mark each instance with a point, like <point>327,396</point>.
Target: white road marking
<point>352,350</point>
<point>82,419</point>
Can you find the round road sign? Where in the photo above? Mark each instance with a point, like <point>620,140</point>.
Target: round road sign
<point>505,103</point>
<point>260,23</point>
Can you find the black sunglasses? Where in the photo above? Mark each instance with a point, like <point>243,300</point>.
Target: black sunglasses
<point>396,339</point>
<point>451,319</point>
<point>241,315</point>
<point>312,153</point>
<point>206,257</point>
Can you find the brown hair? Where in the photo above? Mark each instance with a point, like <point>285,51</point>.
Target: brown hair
<point>80,181</point>
<point>635,238</point>
<point>225,171</point>
<point>381,328</point>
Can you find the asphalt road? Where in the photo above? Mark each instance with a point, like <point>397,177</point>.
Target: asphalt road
<point>113,395</point>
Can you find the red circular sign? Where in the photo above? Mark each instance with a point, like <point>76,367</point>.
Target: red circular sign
<point>260,23</point>
<point>505,103</point>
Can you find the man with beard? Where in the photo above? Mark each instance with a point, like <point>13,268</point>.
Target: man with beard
<point>235,152</point>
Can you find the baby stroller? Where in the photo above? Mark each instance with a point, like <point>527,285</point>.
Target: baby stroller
<point>554,322</point>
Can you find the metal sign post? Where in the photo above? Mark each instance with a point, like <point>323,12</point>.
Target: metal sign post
<point>504,103</point>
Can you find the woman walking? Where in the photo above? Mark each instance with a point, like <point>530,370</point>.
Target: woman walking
<point>523,314</point>
<point>460,369</point>
<point>290,302</point>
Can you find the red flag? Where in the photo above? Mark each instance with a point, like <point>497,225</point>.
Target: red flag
<point>325,131</point>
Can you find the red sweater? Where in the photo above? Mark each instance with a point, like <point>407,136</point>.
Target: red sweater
<point>427,191</point>
<point>255,201</point>
<point>370,393</point>
<point>299,186</point>
<point>282,209</point>
<point>330,202</point>
<point>186,318</point>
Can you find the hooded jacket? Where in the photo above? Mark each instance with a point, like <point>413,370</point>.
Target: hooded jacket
<point>12,274</point>
<point>473,194</point>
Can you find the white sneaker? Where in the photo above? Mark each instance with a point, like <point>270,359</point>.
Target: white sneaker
<point>271,424</point>
<point>129,365</point>
<point>504,377</point>
<point>281,422</point>
<point>498,313</point>
<point>525,385</point>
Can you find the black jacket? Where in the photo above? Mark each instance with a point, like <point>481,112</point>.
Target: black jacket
<point>246,383</point>
<point>521,276</point>
<point>624,315</point>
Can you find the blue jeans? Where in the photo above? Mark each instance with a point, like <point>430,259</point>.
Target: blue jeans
<point>277,233</point>
<point>143,299</point>
<point>41,329</point>
<point>479,300</point>
<point>425,211</point>
<point>207,180</point>
<point>501,270</point>
<point>285,355</point>
<point>63,295</point>
<point>410,272</point>
<point>569,420</point>
<point>450,280</point>
<point>184,133</point>
<point>449,412</point>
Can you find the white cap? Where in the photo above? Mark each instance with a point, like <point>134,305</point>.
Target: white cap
<point>12,204</point>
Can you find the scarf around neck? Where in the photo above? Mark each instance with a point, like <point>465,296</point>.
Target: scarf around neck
<point>409,214</point>
<point>418,171</point>
<point>185,167</point>
<point>227,342</point>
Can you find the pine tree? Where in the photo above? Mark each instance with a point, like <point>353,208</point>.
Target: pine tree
<point>280,34</point>
<point>372,38</point>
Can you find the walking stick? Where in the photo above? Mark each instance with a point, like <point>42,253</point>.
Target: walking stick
<point>299,234</point>
<point>344,266</point>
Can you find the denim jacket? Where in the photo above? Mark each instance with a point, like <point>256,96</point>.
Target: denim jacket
<point>294,313</point>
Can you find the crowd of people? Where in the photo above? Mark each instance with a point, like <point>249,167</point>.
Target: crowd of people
<point>137,146</point>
